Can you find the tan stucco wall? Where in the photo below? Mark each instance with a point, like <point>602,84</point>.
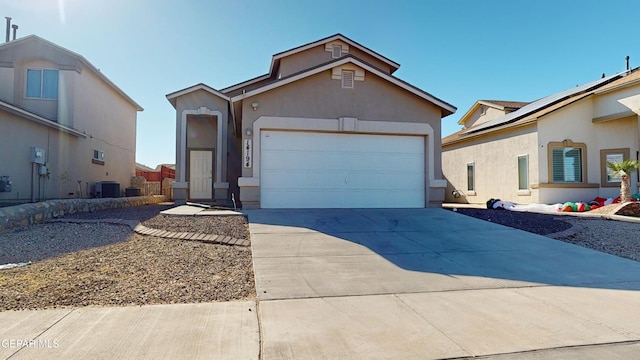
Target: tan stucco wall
<point>495,159</point>
<point>317,55</point>
<point>6,77</point>
<point>193,101</point>
<point>498,152</point>
<point>61,154</point>
<point>575,123</point>
<point>110,121</point>
<point>85,103</point>
<point>319,96</point>
<point>478,118</point>
<point>321,101</point>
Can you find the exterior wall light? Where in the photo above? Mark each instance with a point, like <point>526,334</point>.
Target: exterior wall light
<point>254,106</point>
<point>248,131</point>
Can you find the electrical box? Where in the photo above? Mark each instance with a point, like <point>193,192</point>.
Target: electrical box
<point>37,155</point>
<point>5,184</point>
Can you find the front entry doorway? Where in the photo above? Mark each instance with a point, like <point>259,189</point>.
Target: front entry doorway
<point>201,174</point>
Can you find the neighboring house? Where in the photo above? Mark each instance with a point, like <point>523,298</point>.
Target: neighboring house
<point>64,125</point>
<point>487,110</point>
<point>551,150</point>
<point>328,126</point>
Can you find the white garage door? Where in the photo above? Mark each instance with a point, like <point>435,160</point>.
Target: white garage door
<point>325,170</point>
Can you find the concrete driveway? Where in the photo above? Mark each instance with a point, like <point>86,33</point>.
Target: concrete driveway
<point>430,283</point>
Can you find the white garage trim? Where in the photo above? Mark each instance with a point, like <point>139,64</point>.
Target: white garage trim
<point>337,170</point>
<point>347,125</point>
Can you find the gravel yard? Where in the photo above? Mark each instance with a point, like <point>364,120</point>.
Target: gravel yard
<point>103,264</point>
<point>81,264</point>
<point>614,237</point>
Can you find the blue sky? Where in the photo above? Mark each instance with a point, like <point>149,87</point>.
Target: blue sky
<point>459,51</point>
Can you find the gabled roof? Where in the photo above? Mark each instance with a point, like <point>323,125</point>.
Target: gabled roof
<point>276,58</point>
<point>174,95</point>
<point>80,58</point>
<point>12,109</point>
<point>542,104</point>
<point>496,104</point>
<point>447,109</point>
<point>545,106</point>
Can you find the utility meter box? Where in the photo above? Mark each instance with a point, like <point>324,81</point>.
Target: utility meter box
<point>37,155</point>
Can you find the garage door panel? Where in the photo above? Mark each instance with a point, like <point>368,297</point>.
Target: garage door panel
<point>326,170</point>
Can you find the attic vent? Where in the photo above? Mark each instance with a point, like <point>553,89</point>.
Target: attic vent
<point>348,79</point>
<point>336,51</point>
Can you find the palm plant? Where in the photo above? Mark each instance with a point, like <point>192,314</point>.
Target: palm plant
<point>623,169</point>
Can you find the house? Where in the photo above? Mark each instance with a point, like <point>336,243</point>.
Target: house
<point>64,126</point>
<point>552,150</point>
<point>486,110</point>
<point>329,126</point>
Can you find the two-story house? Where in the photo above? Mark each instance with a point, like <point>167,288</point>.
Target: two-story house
<point>63,125</point>
<point>329,126</point>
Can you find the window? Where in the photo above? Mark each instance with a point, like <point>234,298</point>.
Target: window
<point>348,77</point>
<point>523,172</point>
<point>98,157</point>
<point>470,177</point>
<point>607,179</point>
<point>336,51</point>
<point>567,162</point>
<point>42,83</point>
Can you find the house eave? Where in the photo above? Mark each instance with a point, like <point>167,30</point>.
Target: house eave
<point>172,97</point>
<point>39,119</point>
<point>443,105</point>
<point>394,65</point>
<point>82,60</point>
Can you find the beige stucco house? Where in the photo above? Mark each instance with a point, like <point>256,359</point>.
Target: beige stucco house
<point>328,126</point>
<point>63,125</point>
<point>549,151</point>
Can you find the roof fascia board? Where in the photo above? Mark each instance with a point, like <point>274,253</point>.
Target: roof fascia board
<point>39,119</point>
<point>617,87</point>
<point>196,87</point>
<point>340,37</point>
<point>245,83</point>
<point>339,62</point>
<point>489,131</point>
<point>615,116</point>
<point>544,103</point>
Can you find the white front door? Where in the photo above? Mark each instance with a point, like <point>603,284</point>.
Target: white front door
<point>329,170</point>
<point>201,174</point>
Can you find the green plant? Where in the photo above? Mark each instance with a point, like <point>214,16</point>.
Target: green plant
<point>623,169</point>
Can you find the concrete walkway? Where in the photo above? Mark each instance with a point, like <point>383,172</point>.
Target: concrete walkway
<point>375,284</point>
<point>430,284</point>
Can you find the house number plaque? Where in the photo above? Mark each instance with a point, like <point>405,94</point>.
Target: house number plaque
<point>246,158</point>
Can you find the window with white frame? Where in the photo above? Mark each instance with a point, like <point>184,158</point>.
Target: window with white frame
<point>42,83</point>
<point>523,172</point>
<point>471,177</point>
<point>567,162</point>
<point>98,157</point>
<point>348,79</point>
